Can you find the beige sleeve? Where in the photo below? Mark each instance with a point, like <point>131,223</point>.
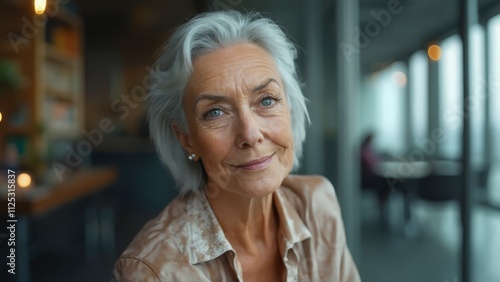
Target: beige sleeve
<point>133,269</point>
<point>348,271</point>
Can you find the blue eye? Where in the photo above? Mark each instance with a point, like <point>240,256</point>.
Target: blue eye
<point>266,102</point>
<point>213,113</point>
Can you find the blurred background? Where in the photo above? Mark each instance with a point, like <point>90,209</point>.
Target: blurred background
<point>416,170</point>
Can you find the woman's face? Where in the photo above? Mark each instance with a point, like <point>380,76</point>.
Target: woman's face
<point>239,120</point>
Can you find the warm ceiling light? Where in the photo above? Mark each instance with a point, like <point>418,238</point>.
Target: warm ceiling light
<point>399,78</point>
<point>434,52</point>
<point>23,180</point>
<point>40,6</point>
<point>0,116</point>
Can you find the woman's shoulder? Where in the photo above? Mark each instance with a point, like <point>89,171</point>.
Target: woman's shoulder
<point>314,199</point>
<point>157,245</point>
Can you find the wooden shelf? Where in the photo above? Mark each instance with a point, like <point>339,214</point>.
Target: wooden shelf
<point>16,130</point>
<point>54,54</point>
<point>59,95</point>
<point>51,63</point>
<point>68,18</point>
<point>75,185</point>
<point>65,131</point>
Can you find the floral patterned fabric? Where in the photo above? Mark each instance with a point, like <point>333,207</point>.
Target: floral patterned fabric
<point>185,242</point>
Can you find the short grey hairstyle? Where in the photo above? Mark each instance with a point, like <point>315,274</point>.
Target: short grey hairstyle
<point>205,33</point>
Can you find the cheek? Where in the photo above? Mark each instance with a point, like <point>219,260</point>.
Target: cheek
<point>212,145</point>
<point>213,149</point>
<point>282,132</point>
<point>289,153</point>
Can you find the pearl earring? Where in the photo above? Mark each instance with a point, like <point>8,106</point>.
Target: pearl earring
<point>191,157</point>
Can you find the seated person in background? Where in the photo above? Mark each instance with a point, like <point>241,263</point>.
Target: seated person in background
<point>228,118</point>
<point>369,162</point>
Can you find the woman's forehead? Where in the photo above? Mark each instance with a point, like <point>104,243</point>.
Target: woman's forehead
<point>239,65</point>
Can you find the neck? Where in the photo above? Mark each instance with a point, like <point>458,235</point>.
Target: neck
<point>247,222</point>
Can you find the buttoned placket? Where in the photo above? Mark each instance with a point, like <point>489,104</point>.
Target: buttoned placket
<point>235,265</point>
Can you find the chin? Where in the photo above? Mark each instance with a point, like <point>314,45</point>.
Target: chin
<point>261,185</point>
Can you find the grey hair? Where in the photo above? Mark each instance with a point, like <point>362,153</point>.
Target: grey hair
<point>202,34</point>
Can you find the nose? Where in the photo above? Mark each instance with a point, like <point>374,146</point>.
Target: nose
<point>249,130</point>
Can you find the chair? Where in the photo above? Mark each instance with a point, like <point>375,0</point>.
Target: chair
<point>440,187</point>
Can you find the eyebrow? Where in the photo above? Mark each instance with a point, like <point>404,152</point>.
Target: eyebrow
<point>213,97</point>
<point>210,97</point>
<point>264,85</point>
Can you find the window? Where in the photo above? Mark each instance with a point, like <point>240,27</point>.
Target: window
<point>389,90</point>
<point>450,92</point>
<point>418,93</point>
<point>477,101</point>
<point>494,81</point>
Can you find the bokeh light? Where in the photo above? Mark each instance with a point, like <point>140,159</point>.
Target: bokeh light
<point>24,180</point>
<point>40,6</point>
<point>434,52</point>
<point>399,78</point>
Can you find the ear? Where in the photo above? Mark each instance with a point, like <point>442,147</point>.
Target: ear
<point>184,139</point>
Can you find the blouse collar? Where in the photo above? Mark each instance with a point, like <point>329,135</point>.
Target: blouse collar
<point>206,237</point>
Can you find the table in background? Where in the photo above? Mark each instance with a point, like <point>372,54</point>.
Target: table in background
<point>74,186</point>
<point>407,177</point>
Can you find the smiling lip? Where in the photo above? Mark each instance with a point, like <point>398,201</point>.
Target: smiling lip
<point>256,164</point>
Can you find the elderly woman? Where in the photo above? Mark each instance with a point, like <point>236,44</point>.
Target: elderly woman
<point>228,118</point>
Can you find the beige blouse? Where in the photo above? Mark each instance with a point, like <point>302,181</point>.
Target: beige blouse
<point>185,242</point>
